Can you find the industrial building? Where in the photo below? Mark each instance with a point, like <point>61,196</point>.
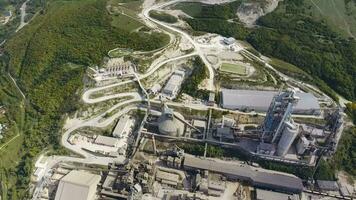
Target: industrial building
<point>173,85</point>
<point>118,67</point>
<point>259,101</point>
<point>270,195</point>
<point>169,124</point>
<point>107,141</point>
<point>121,126</point>
<point>169,179</point>
<point>78,185</point>
<point>224,134</point>
<point>229,41</point>
<point>259,179</point>
<point>327,185</point>
<point>113,68</point>
<point>199,124</point>
<point>278,126</point>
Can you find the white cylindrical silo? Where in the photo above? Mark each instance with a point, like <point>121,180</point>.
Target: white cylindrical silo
<point>289,134</point>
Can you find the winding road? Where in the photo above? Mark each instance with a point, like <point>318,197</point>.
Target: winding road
<point>146,12</point>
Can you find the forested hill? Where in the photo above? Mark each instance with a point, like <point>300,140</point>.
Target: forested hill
<point>48,59</point>
<point>302,33</point>
<point>292,34</point>
<point>77,32</point>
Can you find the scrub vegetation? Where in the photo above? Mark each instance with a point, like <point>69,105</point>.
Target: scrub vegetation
<point>190,84</point>
<point>164,17</point>
<point>218,18</point>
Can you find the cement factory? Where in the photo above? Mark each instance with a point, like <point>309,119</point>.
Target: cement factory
<point>255,135</point>
<point>156,167</point>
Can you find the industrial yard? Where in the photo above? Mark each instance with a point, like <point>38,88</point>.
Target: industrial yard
<point>159,139</point>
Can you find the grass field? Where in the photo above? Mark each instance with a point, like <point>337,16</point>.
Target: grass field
<point>233,68</point>
<point>340,16</point>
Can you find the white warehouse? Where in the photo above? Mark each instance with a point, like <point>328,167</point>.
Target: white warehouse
<point>259,101</point>
<point>173,85</point>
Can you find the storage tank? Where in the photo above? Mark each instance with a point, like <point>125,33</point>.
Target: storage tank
<point>302,145</point>
<point>289,134</point>
<point>168,124</point>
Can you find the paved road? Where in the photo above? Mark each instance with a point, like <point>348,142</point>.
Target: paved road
<point>99,122</point>
<point>145,13</point>
<point>86,98</point>
<point>154,67</point>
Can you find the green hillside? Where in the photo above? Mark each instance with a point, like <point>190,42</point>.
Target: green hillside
<point>340,15</point>
<point>296,32</point>
<point>48,59</point>
<point>292,34</point>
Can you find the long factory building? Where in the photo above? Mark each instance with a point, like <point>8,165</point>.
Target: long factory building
<point>260,179</point>
<point>260,101</point>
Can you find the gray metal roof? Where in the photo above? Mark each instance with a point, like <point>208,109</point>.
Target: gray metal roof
<point>173,83</point>
<point>270,195</point>
<point>262,179</point>
<point>327,185</point>
<point>77,185</point>
<point>247,98</point>
<point>104,140</point>
<point>307,101</point>
<point>121,126</point>
<point>260,100</point>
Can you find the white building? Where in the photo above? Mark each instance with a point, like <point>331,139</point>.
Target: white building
<point>113,68</point>
<point>302,145</point>
<point>229,41</point>
<point>122,126</point>
<point>118,67</point>
<point>173,85</point>
<point>78,185</point>
<point>107,141</point>
<point>259,101</point>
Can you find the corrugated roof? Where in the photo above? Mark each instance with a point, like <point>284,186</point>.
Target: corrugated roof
<point>167,176</point>
<point>270,195</point>
<point>307,101</point>
<point>247,98</point>
<point>261,100</point>
<point>121,126</point>
<point>173,83</point>
<point>109,141</point>
<point>244,172</point>
<point>77,185</point>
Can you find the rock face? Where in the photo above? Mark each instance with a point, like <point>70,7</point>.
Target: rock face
<point>251,10</point>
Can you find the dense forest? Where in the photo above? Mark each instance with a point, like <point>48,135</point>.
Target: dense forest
<point>48,59</point>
